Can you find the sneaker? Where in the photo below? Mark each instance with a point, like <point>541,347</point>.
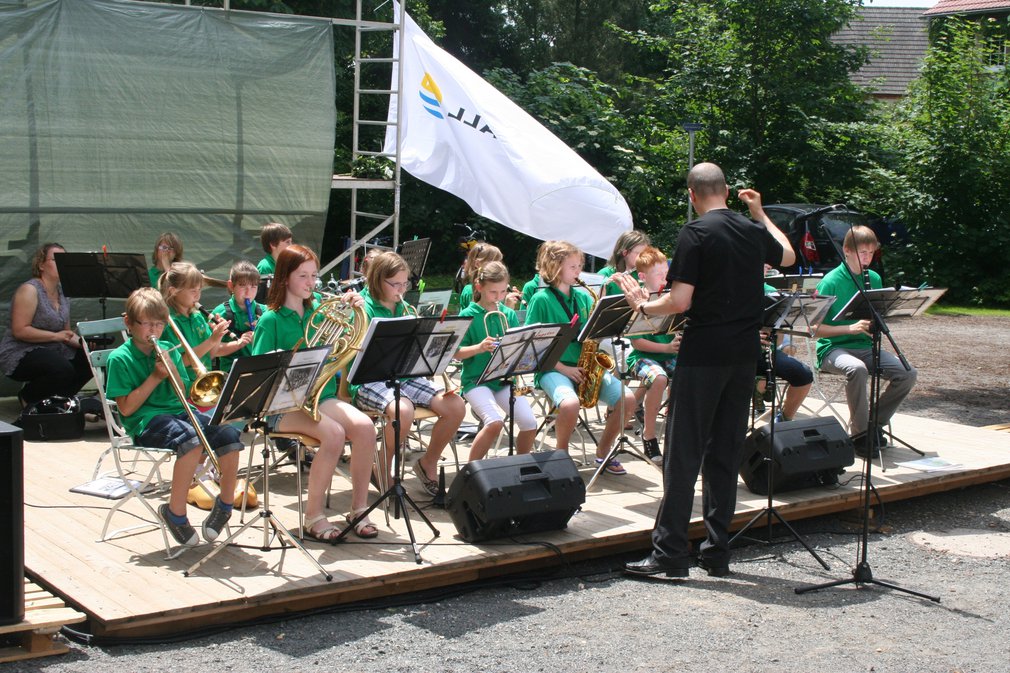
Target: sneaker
<point>215,521</point>
<point>183,533</point>
<point>859,443</point>
<point>652,450</point>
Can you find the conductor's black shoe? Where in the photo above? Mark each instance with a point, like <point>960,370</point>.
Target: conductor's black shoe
<point>714,568</point>
<point>651,447</point>
<point>650,566</point>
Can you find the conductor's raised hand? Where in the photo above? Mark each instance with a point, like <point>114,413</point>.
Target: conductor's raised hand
<point>751,197</point>
<point>633,292</point>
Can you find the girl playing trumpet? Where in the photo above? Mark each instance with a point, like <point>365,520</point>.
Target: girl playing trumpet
<point>491,319</point>
<point>387,283</point>
<point>290,303</point>
<point>560,263</point>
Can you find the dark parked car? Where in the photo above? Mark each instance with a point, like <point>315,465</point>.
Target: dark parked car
<point>797,220</point>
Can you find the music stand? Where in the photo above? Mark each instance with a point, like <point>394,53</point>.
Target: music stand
<point>609,319</point>
<point>395,348</point>
<point>415,254</point>
<point>258,386</point>
<point>525,350</point>
<point>101,274</point>
<point>874,305</point>
<point>804,282</point>
<point>797,314</point>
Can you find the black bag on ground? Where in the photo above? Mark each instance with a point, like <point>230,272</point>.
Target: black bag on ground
<point>51,419</point>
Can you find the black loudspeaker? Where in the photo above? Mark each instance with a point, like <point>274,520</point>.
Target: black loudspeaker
<point>514,495</point>
<point>807,453</point>
<point>12,525</point>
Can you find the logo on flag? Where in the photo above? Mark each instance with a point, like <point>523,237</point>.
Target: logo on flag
<point>433,98</point>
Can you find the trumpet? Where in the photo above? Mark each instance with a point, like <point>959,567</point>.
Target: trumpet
<point>206,388</point>
<point>181,394</point>
<point>407,308</point>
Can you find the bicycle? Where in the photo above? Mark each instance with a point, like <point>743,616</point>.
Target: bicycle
<point>465,244</point>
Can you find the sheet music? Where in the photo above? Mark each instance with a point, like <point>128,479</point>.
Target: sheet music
<point>890,303</point>
<point>529,343</point>
<point>643,325</point>
<point>294,385</point>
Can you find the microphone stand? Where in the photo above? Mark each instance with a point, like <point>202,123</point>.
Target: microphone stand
<point>862,573</point>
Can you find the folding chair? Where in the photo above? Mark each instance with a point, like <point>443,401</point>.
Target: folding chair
<point>142,468</point>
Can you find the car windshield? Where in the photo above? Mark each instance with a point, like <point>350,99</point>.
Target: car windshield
<point>838,224</point>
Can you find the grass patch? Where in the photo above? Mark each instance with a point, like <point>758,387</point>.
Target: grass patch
<point>937,309</point>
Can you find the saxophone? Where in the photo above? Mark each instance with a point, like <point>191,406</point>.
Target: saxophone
<point>594,362</point>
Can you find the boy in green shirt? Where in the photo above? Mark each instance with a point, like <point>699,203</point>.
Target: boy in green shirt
<point>274,237</point>
<point>241,311</point>
<point>153,415</point>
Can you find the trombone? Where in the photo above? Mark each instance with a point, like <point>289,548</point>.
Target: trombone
<point>206,388</point>
<point>181,394</point>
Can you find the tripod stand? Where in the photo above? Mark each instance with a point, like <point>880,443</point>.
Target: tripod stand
<point>271,383</point>
<point>393,348</point>
<point>769,512</point>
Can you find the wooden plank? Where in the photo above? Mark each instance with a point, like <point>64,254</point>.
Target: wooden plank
<point>44,616</point>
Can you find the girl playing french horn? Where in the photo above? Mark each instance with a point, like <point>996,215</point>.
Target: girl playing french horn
<point>491,319</point>
<point>290,303</point>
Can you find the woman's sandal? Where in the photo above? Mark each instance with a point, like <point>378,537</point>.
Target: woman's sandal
<point>364,528</point>
<point>328,534</point>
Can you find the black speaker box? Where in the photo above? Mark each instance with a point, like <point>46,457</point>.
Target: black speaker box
<point>12,525</point>
<point>513,495</point>
<point>807,453</point>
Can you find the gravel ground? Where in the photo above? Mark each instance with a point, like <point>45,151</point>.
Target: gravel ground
<point>588,617</point>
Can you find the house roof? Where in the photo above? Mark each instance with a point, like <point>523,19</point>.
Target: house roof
<point>946,7</point>
<point>897,38</point>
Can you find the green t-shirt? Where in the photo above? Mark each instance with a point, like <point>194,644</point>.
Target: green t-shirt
<point>530,289</point>
<point>280,330</point>
<point>613,288</point>
<point>635,355</point>
<point>195,330</point>
<point>545,307</point>
<point>127,368</point>
<point>838,283</point>
<point>474,366</point>
<point>266,265</point>
<point>154,274</point>
<point>239,317</point>
<point>375,309</point>
<point>465,296</point>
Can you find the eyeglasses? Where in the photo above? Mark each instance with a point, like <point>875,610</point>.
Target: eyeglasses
<point>165,248</point>
<point>152,324</point>
<point>400,287</point>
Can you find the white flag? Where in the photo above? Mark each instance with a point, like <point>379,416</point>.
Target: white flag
<point>462,135</point>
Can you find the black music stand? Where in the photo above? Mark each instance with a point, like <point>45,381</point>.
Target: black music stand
<point>525,350</point>
<point>395,348</point>
<point>800,315</point>
<point>101,274</point>
<point>415,254</point>
<point>610,318</point>
<point>875,305</point>
<point>258,386</point>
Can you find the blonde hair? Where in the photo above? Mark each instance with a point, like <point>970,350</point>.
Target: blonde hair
<point>180,276</point>
<point>168,238</point>
<point>480,255</point>
<point>146,302</point>
<point>860,235</point>
<point>626,242</point>
<point>553,256</point>
<point>649,258</point>
<point>492,272</point>
<point>383,266</point>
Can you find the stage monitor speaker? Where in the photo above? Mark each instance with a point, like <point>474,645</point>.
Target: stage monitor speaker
<point>807,453</point>
<point>514,495</point>
<point>12,525</point>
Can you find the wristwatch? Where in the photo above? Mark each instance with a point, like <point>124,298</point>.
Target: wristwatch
<point>641,309</point>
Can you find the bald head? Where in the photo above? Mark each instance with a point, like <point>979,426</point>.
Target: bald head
<point>706,180</point>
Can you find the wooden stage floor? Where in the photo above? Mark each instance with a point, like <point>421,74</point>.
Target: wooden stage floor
<point>128,588</point>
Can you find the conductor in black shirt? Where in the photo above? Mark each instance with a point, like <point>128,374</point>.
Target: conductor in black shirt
<point>716,279</point>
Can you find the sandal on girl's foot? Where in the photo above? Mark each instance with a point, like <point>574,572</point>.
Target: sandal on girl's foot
<point>364,528</point>
<point>613,467</point>
<point>328,534</point>
<point>430,485</point>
